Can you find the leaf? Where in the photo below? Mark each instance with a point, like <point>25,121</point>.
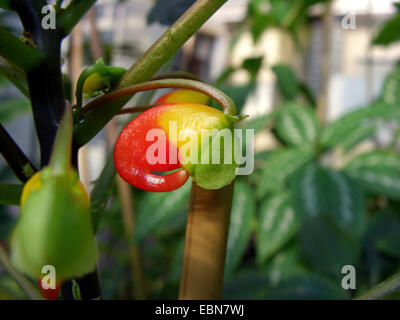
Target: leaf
<point>306,287</point>
<point>155,208</point>
<point>383,224</point>
<point>5,4</point>
<point>101,191</point>
<point>297,124</point>
<point>308,94</point>
<point>326,247</point>
<point>390,245</point>
<point>167,12</point>
<point>253,66</point>
<point>358,124</point>
<point>319,191</point>
<point>258,123</point>
<point>250,285</point>
<point>285,265</point>
<point>279,168</point>
<point>10,109</point>
<point>389,33</point>
<point>391,88</point>
<point>240,226</point>
<point>287,81</point>
<point>76,291</point>
<point>16,76</point>
<point>378,171</point>
<point>277,225</point>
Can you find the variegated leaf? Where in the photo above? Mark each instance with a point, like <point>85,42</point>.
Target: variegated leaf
<point>322,191</point>
<point>297,124</point>
<point>241,225</point>
<point>277,225</point>
<point>378,171</point>
<point>279,168</point>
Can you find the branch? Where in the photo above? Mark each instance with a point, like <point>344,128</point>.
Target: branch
<point>223,100</point>
<point>44,80</point>
<point>146,66</point>
<point>383,290</point>
<point>73,14</point>
<point>15,157</point>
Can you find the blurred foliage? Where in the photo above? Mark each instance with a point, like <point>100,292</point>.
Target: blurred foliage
<point>390,32</point>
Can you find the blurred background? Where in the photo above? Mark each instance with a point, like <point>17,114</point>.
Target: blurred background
<point>320,82</point>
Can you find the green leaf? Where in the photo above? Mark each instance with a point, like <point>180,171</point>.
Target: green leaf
<point>16,76</point>
<point>155,208</point>
<point>10,109</point>
<point>279,168</point>
<point>5,4</point>
<point>389,33</point>
<point>277,225</point>
<point>285,264</point>
<point>101,191</point>
<point>297,124</point>
<point>76,291</point>
<point>258,123</point>
<point>240,226</point>
<point>378,171</point>
<point>357,125</point>
<point>287,81</point>
<point>390,245</point>
<point>319,191</point>
<point>253,66</point>
<point>326,247</point>
<point>306,287</point>
<point>250,285</point>
<point>391,88</point>
<point>10,193</point>
<point>17,52</point>
<point>382,226</point>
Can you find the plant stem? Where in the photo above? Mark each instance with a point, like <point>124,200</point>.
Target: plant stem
<point>383,290</point>
<point>15,157</point>
<point>25,285</point>
<point>205,243</point>
<point>44,80</point>
<point>225,101</point>
<point>73,14</point>
<point>134,109</point>
<point>124,189</point>
<point>146,66</point>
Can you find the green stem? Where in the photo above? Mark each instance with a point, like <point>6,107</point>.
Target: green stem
<point>383,290</point>
<point>225,101</point>
<point>10,193</point>
<point>25,285</point>
<point>73,14</point>
<point>146,66</point>
<point>15,157</point>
